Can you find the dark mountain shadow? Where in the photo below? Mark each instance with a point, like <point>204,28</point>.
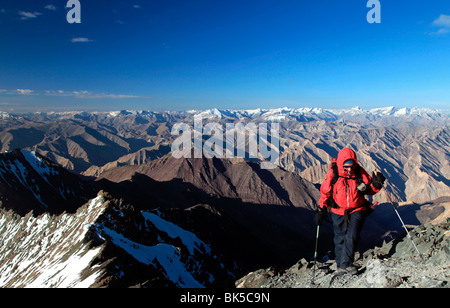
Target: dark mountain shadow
<point>257,235</point>
<point>25,137</point>
<point>269,179</point>
<point>52,189</point>
<point>146,193</point>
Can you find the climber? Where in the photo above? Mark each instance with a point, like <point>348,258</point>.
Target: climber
<point>343,191</point>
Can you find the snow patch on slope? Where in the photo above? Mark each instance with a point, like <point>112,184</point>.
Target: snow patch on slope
<point>177,265</point>
<point>48,251</point>
<point>189,239</point>
<point>38,165</point>
<point>166,255</point>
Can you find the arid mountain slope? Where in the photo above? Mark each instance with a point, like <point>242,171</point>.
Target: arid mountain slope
<point>253,197</point>
<point>414,159</point>
<point>226,179</point>
<point>410,146</point>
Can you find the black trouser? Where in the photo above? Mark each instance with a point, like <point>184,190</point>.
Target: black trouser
<point>346,237</point>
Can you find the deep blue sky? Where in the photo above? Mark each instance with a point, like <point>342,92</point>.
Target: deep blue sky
<point>237,54</point>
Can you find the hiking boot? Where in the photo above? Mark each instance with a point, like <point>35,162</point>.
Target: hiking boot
<point>340,272</point>
<point>351,270</point>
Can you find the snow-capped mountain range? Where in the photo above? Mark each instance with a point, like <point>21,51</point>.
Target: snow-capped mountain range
<point>271,114</point>
<point>278,114</point>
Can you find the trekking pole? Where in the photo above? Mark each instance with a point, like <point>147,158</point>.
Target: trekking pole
<point>401,220</point>
<point>315,255</point>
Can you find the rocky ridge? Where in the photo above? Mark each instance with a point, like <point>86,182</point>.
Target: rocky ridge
<point>395,264</point>
<point>106,243</point>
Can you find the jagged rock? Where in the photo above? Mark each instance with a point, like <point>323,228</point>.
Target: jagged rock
<point>299,267</point>
<point>426,282</point>
<point>256,279</point>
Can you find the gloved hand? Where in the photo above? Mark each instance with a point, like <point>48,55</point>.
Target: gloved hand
<point>321,214</point>
<point>378,180</point>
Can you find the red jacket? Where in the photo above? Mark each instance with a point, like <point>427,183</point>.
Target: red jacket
<point>345,193</point>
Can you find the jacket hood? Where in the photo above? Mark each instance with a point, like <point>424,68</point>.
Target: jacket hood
<point>345,154</point>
